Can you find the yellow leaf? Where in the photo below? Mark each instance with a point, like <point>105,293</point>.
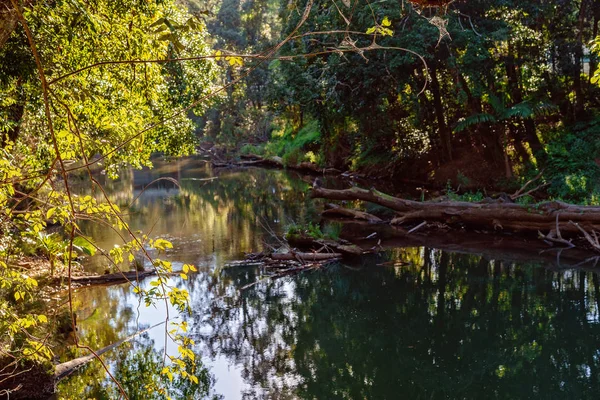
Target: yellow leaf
<point>386,22</point>
<point>162,244</point>
<point>183,276</point>
<point>186,268</point>
<point>218,55</point>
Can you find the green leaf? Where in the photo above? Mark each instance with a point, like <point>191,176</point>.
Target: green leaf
<point>85,245</point>
<point>158,22</point>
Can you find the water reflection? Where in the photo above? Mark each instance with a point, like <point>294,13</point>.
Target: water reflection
<point>209,221</point>
<point>407,323</point>
<point>444,326</point>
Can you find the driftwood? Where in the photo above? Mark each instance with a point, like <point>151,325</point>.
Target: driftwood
<point>117,277</point>
<point>333,209</point>
<point>278,265</point>
<point>341,246</point>
<point>492,216</point>
<point>337,246</point>
<point>305,256</point>
<point>67,368</point>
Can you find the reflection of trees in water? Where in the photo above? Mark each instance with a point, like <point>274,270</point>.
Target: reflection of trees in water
<point>136,365</point>
<point>447,326</point>
<point>213,220</point>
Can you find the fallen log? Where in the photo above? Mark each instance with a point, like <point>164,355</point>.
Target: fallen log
<point>334,209</point>
<point>305,256</point>
<point>493,216</point>
<point>338,246</point>
<point>345,249</point>
<point>65,369</point>
<point>117,277</point>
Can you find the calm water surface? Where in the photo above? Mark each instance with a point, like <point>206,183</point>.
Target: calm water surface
<point>409,323</point>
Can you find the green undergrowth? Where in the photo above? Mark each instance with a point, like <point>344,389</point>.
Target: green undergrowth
<point>293,146</point>
<point>573,170</point>
<point>314,231</point>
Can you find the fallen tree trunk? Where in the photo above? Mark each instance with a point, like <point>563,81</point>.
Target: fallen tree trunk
<point>337,246</point>
<point>65,369</point>
<point>117,277</point>
<point>495,216</point>
<point>334,209</point>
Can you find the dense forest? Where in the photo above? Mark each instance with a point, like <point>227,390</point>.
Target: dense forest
<point>468,96</point>
<point>478,93</point>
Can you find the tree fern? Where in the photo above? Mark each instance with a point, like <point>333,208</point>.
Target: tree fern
<point>472,120</point>
<point>520,110</point>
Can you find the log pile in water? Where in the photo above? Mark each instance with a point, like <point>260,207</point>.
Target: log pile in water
<point>278,265</point>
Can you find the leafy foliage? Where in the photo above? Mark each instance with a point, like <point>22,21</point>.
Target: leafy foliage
<point>85,86</point>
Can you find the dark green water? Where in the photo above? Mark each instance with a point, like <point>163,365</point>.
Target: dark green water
<point>408,323</point>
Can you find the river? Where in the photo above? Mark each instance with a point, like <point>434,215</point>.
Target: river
<point>408,322</point>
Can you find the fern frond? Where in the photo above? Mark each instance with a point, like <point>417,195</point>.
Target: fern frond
<point>544,109</point>
<point>520,110</point>
<point>496,103</point>
<point>472,120</point>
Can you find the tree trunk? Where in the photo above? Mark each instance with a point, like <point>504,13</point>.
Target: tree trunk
<point>8,20</point>
<point>439,113</point>
<point>577,84</point>
<point>530,135</point>
<point>474,108</point>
